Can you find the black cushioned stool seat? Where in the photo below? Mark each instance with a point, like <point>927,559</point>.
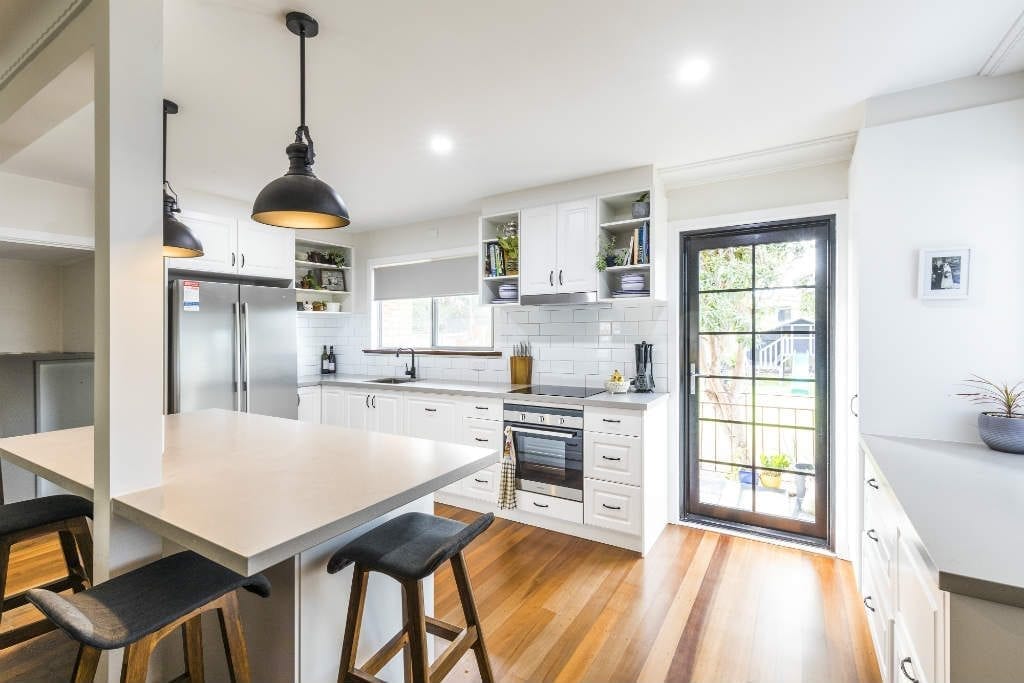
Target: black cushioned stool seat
<point>67,516</point>
<point>140,604</point>
<point>409,548</point>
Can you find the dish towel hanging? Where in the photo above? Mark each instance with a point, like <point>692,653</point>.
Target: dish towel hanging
<point>507,485</point>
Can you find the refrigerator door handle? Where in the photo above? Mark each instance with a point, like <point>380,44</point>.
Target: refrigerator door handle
<point>245,354</point>
<point>236,365</point>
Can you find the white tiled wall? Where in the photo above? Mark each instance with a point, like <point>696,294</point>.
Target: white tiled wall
<point>572,345</point>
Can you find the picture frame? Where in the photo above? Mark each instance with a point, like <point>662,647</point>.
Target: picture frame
<point>944,273</point>
<point>333,280</point>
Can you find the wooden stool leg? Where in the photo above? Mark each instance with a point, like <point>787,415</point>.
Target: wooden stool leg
<point>135,667</point>
<point>85,665</point>
<point>76,571</point>
<point>83,537</point>
<point>192,635</point>
<point>5,557</point>
<point>356,602</point>
<point>472,617</point>
<point>417,630</point>
<point>407,650</point>
<point>234,639</point>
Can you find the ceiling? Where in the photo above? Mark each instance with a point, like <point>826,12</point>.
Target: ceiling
<point>531,92</point>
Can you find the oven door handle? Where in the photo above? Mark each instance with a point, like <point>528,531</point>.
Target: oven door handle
<point>542,432</point>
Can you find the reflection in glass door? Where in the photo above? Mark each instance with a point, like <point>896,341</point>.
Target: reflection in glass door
<point>757,310</point>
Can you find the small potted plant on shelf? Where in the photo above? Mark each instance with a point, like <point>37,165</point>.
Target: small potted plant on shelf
<point>1001,429</point>
<point>642,206</point>
<point>336,258</point>
<point>508,240</point>
<point>308,281</point>
<point>607,254</point>
<point>770,479</point>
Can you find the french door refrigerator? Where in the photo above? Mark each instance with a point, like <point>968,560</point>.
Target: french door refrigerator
<point>232,346</point>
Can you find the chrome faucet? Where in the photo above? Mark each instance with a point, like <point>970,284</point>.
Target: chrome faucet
<point>410,368</point>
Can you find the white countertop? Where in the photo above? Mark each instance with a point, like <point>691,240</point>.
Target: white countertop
<point>249,491</point>
<point>966,503</point>
<point>503,391</point>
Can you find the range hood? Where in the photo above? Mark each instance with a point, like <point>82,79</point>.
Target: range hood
<point>557,299</point>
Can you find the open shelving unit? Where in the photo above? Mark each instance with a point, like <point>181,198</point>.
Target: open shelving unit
<point>616,221</point>
<point>325,273</point>
<point>489,284</point>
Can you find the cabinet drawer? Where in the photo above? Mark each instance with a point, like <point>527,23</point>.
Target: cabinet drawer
<point>482,408</point>
<point>483,433</point>
<point>612,457</point>
<point>482,484</point>
<point>429,417</point>
<point>549,506</point>
<point>905,662</point>
<point>612,506</point>
<point>611,421</point>
<point>880,515</point>
<point>918,609</point>
<point>879,623</point>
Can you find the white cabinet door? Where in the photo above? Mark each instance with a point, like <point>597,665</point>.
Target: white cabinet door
<point>612,506</point>
<point>483,433</point>
<point>309,404</point>
<point>357,411</point>
<point>612,457</point>
<point>219,238</point>
<point>332,407</point>
<point>538,260</point>
<point>386,410</point>
<point>430,417</point>
<point>265,250</point>
<point>577,246</point>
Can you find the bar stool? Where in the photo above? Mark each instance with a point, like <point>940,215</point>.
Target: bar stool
<point>138,609</point>
<point>409,548</point>
<point>67,517</point>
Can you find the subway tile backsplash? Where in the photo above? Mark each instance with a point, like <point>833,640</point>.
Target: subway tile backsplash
<point>572,345</point>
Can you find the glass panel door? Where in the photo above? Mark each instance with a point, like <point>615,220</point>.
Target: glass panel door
<point>756,354</point>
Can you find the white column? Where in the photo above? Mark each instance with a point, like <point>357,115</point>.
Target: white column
<point>129,269</point>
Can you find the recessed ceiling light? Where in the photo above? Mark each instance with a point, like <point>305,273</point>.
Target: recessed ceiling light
<point>693,70</point>
<point>441,144</point>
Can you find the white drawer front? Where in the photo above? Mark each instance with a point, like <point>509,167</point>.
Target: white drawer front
<point>612,457</point>
<point>612,506</point>
<point>918,608</point>
<point>483,408</point>
<point>879,623</point>
<point>429,417</point>
<point>483,484</point>
<point>483,433</point>
<point>549,506</point>
<point>611,421</point>
<point>906,664</point>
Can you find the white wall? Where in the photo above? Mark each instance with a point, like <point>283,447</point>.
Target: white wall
<point>954,179</point>
<point>77,306</point>
<point>30,318</point>
<point>30,204</point>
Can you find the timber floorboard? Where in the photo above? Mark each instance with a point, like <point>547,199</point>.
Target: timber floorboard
<point>702,607</point>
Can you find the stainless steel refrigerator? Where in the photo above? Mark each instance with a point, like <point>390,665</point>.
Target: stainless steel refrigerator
<point>232,346</point>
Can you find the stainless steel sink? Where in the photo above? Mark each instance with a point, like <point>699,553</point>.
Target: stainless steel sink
<point>392,380</point>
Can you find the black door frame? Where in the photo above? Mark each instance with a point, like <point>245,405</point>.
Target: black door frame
<point>826,402</point>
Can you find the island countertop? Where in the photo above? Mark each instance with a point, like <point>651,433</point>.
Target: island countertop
<point>249,491</point>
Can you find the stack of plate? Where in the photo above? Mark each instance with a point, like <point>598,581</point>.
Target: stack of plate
<point>633,284</point>
<point>508,292</point>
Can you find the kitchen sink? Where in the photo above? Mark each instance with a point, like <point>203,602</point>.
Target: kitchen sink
<point>392,380</point>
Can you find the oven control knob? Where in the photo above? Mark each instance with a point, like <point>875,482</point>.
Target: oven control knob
<point>522,417</point>
<point>542,419</point>
<point>561,420</point>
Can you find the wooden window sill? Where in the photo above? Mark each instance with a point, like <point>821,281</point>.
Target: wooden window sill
<point>439,352</point>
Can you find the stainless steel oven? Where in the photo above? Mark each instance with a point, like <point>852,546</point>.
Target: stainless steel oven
<point>549,448</point>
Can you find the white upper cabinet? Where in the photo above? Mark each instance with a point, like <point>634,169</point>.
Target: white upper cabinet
<point>265,250</point>
<point>577,244</point>
<point>538,259</point>
<point>219,237</point>
<point>239,247</point>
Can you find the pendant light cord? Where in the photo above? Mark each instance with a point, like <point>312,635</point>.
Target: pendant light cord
<point>303,130</point>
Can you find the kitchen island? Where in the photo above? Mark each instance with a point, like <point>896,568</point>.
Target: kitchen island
<point>258,493</point>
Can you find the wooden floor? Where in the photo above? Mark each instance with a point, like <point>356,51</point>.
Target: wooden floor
<point>701,607</point>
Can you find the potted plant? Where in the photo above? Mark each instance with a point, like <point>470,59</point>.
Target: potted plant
<point>1001,429</point>
<point>642,206</point>
<point>607,255</point>
<point>510,250</point>
<point>770,479</point>
<point>336,258</point>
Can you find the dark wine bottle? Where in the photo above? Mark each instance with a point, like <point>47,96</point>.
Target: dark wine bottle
<point>324,369</point>
<point>332,362</point>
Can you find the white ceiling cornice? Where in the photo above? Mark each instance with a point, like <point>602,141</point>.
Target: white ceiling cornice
<point>826,150</point>
<point>1011,43</point>
<point>61,20</point>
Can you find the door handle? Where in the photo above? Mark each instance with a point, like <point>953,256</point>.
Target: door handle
<point>551,278</point>
<point>867,603</point>
<point>693,378</point>
<point>298,399</point>
<point>560,277</point>
<point>367,400</point>
<point>232,259</point>
<point>373,401</point>
<point>852,399</point>
<point>605,419</point>
<point>872,534</point>
<point>243,259</point>
<point>903,670</point>
<point>540,505</point>
<point>236,368</point>
<point>430,410</point>
<point>477,438</point>
<point>873,483</point>
<point>245,357</point>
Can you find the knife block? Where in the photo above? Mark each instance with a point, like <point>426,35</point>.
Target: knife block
<point>521,369</point>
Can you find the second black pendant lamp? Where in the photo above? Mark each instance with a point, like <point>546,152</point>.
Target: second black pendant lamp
<point>299,199</point>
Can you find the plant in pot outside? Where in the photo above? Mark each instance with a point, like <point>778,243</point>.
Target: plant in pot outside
<point>771,479</point>
<point>1001,429</point>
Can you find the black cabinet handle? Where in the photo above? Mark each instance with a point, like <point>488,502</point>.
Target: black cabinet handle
<point>853,411</point>
<point>605,419</point>
<point>540,505</point>
<point>560,277</point>
<point>481,481</point>
<point>611,507</point>
<point>903,670</point>
<point>872,534</point>
<point>867,603</point>
<point>373,401</point>
<point>482,408</point>
<point>605,457</point>
<point>551,278</point>
<point>367,400</point>
<point>430,410</point>
<point>477,438</point>
<point>873,483</point>
<point>232,259</point>
<point>243,260</point>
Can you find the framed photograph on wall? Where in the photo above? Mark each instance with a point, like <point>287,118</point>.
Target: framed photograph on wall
<point>944,273</point>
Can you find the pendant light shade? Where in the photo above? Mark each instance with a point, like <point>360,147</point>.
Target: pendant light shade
<point>299,199</point>
<point>179,242</point>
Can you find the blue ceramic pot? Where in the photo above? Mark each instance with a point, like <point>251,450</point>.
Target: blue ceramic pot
<point>1001,433</point>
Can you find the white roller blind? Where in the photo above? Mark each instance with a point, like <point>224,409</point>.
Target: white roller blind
<point>444,277</point>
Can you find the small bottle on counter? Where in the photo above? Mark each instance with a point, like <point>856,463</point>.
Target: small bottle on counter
<point>324,362</point>
<point>332,362</point>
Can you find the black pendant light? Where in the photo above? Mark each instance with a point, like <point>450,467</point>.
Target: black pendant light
<point>179,242</point>
<point>299,199</point>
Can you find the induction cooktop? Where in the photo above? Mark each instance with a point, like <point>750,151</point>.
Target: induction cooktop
<point>551,390</point>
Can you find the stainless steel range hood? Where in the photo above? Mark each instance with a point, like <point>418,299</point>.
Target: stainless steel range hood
<point>557,299</point>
